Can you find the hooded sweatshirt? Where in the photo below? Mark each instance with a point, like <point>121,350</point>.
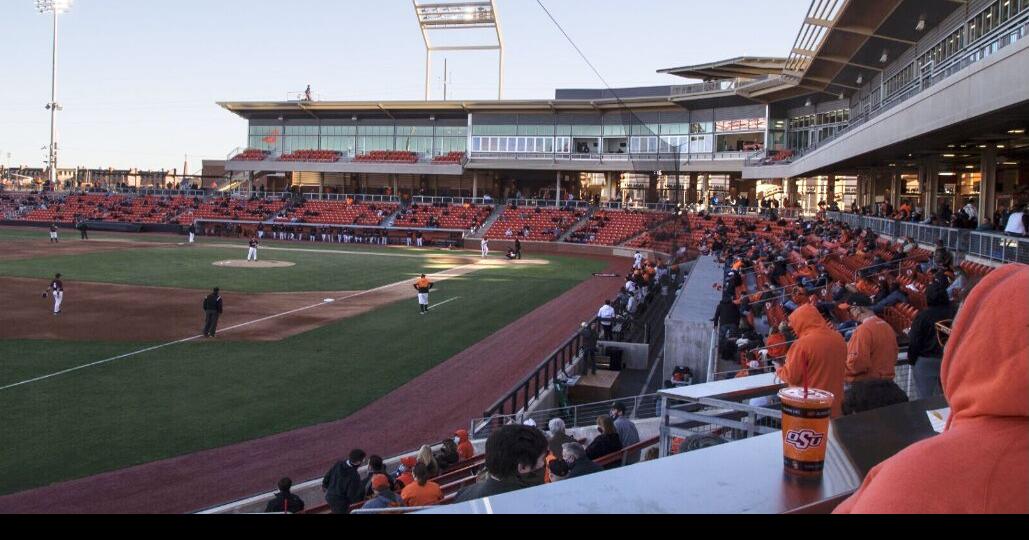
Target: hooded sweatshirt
<point>465,450</point>
<point>980,463</point>
<point>872,351</point>
<point>822,350</point>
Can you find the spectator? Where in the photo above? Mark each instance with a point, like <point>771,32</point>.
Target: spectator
<point>941,257</point>
<point>425,457</point>
<point>727,315</point>
<point>958,286</point>
<point>925,350</point>
<point>606,315</point>
<point>1018,221</point>
<point>588,341</point>
<point>574,455</point>
<point>606,443</point>
<point>558,437</point>
<point>819,355</point>
<point>872,351</point>
<point>872,394</point>
<point>558,469</point>
<point>383,495</point>
<point>465,449</point>
<point>515,458</point>
<point>404,475</point>
<point>627,433</point>
<point>376,466</point>
<point>978,464</point>
<point>342,484</point>
<point>422,492</point>
<point>284,501</point>
<point>448,455</point>
<point>895,296</point>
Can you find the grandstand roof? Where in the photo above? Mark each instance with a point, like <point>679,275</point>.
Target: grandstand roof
<point>841,40</point>
<point>745,67</point>
<point>409,108</point>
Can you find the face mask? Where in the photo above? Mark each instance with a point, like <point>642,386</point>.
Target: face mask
<point>457,440</point>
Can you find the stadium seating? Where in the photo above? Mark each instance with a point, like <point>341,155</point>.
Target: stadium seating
<point>542,225</point>
<point>339,213</point>
<point>233,209</point>
<point>252,154</point>
<point>611,228</point>
<point>446,217</point>
<point>452,157</point>
<point>387,156</point>
<point>315,156</point>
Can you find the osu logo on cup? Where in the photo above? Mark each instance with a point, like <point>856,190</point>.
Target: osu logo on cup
<point>804,439</point>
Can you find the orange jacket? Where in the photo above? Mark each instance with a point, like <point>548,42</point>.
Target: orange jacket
<point>776,349</point>
<point>427,495</point>
<point>980,463</point>
<point>465,449</point>
<point>872,351</point>
<point>821,350</point>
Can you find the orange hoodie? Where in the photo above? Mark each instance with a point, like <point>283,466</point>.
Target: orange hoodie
<point>821,349</point>
<point>872,351</point>
<point>465,449</point>
<point>980,463</point>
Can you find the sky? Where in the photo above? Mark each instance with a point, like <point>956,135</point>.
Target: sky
<point>139,79</point>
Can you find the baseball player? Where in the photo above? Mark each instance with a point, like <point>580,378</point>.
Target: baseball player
<point>637,261</point>
<point>57,290</point>
<point>252,252</point>
<point>192,232</point>
<point>423,286</point>
<point>485,248</point>
<point>260,231</point>
<point>53,232</point>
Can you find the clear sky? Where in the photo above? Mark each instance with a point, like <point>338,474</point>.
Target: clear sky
<point>138,79</point>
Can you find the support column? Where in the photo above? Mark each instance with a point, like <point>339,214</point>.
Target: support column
<point>557,196</point>
<point>704,185</point>
<point>830,190</point>
<point>691,195</point>
<point>788,185</point>
<point>988,185</point>
<point>475,185</point>
<point>895,189</point>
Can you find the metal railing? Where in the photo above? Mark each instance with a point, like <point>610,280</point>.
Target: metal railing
<point>958,240</point>
<point>999,248</point>
<point>640,407</point>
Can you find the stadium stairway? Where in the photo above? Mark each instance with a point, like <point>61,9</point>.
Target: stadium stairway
<point>498,210</point>
<point>393,217</point>
<point>582,223</point>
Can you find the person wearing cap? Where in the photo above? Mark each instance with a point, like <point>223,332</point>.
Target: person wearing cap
<point>979,464</point>
<point>384,496</point>
<point>405,476</point>
<point>465,449</point>
<point>284,501</point>
<point>376,466</point>
<point>817,358</point>
<point>872,350</point>
<point>423,286</point>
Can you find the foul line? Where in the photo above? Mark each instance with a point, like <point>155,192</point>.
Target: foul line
<point>431,307</point>
<point>427,254</point>
<point>241,325</point>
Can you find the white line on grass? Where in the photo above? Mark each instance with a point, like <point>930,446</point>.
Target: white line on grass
<point>443,302</point>
<point>426,255</point>
<point>229,329</point>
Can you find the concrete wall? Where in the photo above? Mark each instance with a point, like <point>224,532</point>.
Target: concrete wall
<point>688,326</point>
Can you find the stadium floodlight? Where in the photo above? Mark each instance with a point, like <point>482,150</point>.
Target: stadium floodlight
<point>55,7</point>
<point>459,16</point>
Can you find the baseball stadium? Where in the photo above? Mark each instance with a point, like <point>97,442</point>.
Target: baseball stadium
<point>565,305</point>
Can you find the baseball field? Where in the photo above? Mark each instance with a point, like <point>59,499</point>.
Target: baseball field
<point>123,375</point>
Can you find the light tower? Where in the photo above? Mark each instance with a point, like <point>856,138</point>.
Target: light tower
<point>55,7</point>
<point>460,16</point>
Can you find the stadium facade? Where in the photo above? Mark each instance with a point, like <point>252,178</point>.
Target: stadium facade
<point>924,100</point>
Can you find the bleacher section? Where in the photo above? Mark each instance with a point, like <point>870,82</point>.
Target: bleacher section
<point>443,217</point>
<point>316,156</point>
<point>339,213</point>
<point>534,224</point>
<point>452,157</point>
<point>252,154</point>
<point>234,209</point>
<point>387,156</point>
<point>612,227</point>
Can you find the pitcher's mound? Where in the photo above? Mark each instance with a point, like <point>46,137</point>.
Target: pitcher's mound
<point>255,264</point>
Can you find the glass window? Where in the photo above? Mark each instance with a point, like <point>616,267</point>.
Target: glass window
<point>700,127</point>
<point>586,131</point>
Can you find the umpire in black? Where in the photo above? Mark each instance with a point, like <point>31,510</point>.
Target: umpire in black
<point>213,309</point>
<point>588,341</point>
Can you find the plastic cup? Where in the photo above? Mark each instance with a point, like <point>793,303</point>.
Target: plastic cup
<point>805,429</point>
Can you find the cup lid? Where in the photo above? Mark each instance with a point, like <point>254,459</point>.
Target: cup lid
<point>814,395</point>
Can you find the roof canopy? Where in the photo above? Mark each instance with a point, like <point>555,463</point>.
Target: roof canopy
<point>745,67</point>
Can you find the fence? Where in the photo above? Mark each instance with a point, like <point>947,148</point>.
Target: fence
<point>640,407</point>
<point>1004,249</point>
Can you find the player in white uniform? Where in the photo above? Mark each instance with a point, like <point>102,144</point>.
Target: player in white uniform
<point>423,286</point>
<point>57,290</point>
<point>192,233</point>
<point>637,261</point>
<point>53,232</point>
<point>485,248</point>
<point>252,253</point>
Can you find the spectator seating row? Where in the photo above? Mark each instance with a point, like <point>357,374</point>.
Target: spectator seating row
<point>388,156</point>
<point>233,209</point>
<point>339,213</point>
<point>252,154</point>
<point>452,157</point>
<point>317,156</point>
<point>445,217</point>
<point>612,228</point>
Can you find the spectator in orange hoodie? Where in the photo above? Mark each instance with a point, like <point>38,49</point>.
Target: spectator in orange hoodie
<point>465,450</point>
<point>819,351</point>
<point>980,463</point>
<point>422,492</point>
<point>407,477</point>
<point>872,351</point>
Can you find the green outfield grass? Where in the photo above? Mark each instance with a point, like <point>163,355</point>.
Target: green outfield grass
<point>192,268</point>
<point>190,397</point>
